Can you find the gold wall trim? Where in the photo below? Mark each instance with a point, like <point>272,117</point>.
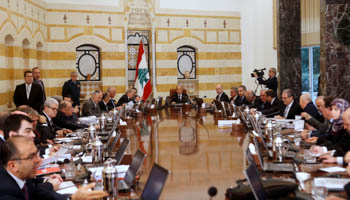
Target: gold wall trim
<point>121,89</point>
<point>212,86</point>
<point>6,97</point>
<point>85,11</point>
<point>201,55</point>
<point>165,87</point>
<point>35,4</point>
<point>112,55</point>
<point>113,72</point>
<point>197,16</point>
<point>218,70</point>
<point>167,71</point>
<point>61,55</point>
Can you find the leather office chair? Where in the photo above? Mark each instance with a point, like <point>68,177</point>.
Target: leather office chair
<point>171,93</point>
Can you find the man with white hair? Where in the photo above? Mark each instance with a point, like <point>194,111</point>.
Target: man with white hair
<point>48,129</point>
<point>111,92</point>
<point>222,96</point>
<point>91,106</point>
<point>72,88</point>
<point>308,106</point>
<point>254,101</point>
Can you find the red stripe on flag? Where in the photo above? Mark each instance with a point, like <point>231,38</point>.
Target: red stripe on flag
<point>139,58</point>
<point>147,90</point>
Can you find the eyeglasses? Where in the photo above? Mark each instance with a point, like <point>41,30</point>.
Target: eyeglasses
<point>54,109</point>
<point>31,156</point>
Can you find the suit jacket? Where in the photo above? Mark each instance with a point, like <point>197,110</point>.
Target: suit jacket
<point>35,97</point>
<point>232,99</point>
<point>111,104</point>
<point>255,103</point>
<point>124,99</point>
<point>89,109</point>
<point>241,101</point>
<point>63,121</point>
<point>273,109</point>
<point>223,98</point>
<point>294,110</point>
<point>9,189</point>
<point>175,98</point>
<point>263,106</point>
<point>73,89</point>
<point>311,109</point>
<point>41,83</point>
<point>103,106</point>
<point>47,130</point>
<point>270,83</point>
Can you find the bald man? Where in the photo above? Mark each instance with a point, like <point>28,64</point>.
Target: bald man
<point>254,101</point>
<point>180,96</point>
<point>308,106</point>
<point>222,96</point>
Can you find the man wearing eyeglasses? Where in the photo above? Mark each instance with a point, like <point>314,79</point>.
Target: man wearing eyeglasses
<point>49,130</point>
<point>19,162</point>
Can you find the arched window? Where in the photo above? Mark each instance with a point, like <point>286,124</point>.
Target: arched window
<point>186,62</point>
<point>88,62</point>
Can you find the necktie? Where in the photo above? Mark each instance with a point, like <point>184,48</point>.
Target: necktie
<point>28,91</point>
<point>180,97</point>
<point>285,114</point>
<point>25,192</point>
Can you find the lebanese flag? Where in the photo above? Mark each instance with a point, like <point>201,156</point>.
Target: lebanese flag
<point>142,78</point>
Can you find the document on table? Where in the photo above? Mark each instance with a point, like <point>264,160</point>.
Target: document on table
<point>331,183</point>
<point>333,169</point>
<point>97,171</point>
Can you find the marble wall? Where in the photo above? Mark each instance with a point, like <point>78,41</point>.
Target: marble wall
<point>289,44</point>
<point>335,48</point>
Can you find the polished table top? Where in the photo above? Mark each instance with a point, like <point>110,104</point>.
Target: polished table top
<point>196,152</point>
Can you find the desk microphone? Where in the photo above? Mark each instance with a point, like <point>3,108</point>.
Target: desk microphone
<point>212,191</point>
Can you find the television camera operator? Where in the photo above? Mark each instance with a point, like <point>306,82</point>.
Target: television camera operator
<point>271,82</point>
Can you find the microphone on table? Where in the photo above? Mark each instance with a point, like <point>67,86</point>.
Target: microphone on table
<point>212,191</point>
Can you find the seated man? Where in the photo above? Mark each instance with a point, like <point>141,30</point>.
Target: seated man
<point>76,108</point>
<point>19,162</point>
<point>306,104</point>
<point>275,104</point>
<point>234,95</point>
<point>222,96</point>
<point>126,98</point>
<point>263,98</point>
<point>111,93</point>
<point>65,119</point>
<point>136,97</point>
<point>3,117</point>
<point>179,97</point>
<point>104,103</point>
<point>48,129</point>
<point>241,100</point>
<point>291,106</point>
<point>91,107</point>
<point>253,100</point>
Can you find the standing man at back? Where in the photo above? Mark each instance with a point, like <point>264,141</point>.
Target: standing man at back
<point>37,80</point>
<point>72,88</point>
<point>28,93</point>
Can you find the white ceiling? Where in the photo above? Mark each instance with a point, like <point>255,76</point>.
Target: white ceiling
<point>86,2</point>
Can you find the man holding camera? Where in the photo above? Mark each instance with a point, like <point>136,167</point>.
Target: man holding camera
<point>271,82</point>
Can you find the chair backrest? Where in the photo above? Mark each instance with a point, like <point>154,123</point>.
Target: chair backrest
<point>173,92</point>
<point>255,182</point>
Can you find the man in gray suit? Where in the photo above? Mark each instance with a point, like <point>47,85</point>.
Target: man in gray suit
<point>91,106</point>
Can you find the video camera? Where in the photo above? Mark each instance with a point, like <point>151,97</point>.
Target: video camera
<point>259,72</point>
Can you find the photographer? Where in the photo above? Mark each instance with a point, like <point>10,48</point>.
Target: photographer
<point>271,82</point>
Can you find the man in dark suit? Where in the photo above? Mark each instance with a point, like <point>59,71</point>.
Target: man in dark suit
<point>253,100</point>
<point>28,93</point>
<point>263,98</point>
<point>234,95</point>
<point>19,161</point>
<point>126,98</point>
<point>291,105</point>
<point>72,88</point>
<point>111,92</point>
<point>308,106</point>
<point>241,100</point>
<point>104,102</point>
<point>271,82</point>
<point>91,106</point>
<point>36,76</point>
<point>3,117</point>
<point>179,97</point>
<point>222,96</point>
<point>65,119</point>
<point>275,104</point>
<point>48,130</point>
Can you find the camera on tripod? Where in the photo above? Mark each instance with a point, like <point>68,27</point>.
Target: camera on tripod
<point>259,72</point>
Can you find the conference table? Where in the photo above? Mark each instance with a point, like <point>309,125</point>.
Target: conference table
<point>197,153</point>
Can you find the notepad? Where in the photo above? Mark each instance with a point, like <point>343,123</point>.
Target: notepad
<point>333,169</point>
<point>331,183</point>
<point>70,190</point>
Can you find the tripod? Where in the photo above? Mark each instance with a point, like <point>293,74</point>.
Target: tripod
<point>257,86</point>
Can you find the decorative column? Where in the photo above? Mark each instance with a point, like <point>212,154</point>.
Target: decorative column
<point>335,48</point>
<point>289,45</point>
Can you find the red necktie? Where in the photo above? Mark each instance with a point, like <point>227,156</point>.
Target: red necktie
<point>25,192</point>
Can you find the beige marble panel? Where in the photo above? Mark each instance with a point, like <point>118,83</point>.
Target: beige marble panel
<point>235,37</point>
<point>117,34</point>
<point>174,34</point>
<point>199,34</point>
<point>223,36</point>
<point>212,36</point>
<point>3,16</point>
<point>74,31</point>
<point>102,31</point>
<point>162,36</point>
